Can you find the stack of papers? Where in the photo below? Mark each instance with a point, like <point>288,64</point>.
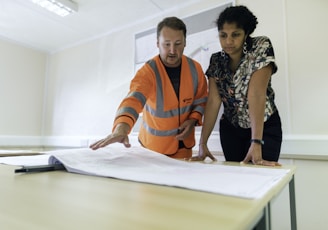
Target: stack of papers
<point>142,165</point>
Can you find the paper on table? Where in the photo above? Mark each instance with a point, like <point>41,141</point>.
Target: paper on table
<point>142,165</point>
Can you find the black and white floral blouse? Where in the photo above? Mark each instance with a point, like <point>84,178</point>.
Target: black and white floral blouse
<point>233,87</point>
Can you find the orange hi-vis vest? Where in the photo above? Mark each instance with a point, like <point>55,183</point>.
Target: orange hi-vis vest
<point>152,93</point>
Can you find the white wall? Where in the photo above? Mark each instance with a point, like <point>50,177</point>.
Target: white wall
<point>22,72</point>
<point>307,65</point>
<point>85,83</point>
<point>311,186</point>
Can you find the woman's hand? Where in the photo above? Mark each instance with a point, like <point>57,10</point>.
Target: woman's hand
<point>255,156</point>
<point>203,152</point>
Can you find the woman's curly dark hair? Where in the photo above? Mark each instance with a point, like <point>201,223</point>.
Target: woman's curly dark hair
<point>240,15</point>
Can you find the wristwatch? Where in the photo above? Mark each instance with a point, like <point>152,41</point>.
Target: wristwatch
<point>257,141</point>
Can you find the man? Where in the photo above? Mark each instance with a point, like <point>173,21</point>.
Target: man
<point>171,91</point>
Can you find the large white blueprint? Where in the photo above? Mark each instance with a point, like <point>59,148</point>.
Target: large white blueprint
<point>141,165</point>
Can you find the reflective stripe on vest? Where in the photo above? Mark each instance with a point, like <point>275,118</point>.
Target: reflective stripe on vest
<point>124,110</point>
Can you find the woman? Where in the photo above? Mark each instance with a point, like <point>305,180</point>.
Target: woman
<point>240,79</point>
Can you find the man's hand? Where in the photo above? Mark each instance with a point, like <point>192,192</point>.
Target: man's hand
<point>185,129</point>
<point>119,135</point>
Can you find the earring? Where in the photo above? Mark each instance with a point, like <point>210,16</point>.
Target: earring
<point>245,48</point>
<point>222,53</point>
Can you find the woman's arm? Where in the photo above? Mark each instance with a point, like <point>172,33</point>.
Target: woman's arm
<point>256,97</point>
<point>210,115</point>
<point>256,101</point>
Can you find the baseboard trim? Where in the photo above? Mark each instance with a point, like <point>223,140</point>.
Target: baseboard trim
<point>39,141</point>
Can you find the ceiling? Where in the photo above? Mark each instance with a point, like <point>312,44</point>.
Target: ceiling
<point>25,23</point>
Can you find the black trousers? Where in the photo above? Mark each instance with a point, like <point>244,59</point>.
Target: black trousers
<point>235,141</point>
